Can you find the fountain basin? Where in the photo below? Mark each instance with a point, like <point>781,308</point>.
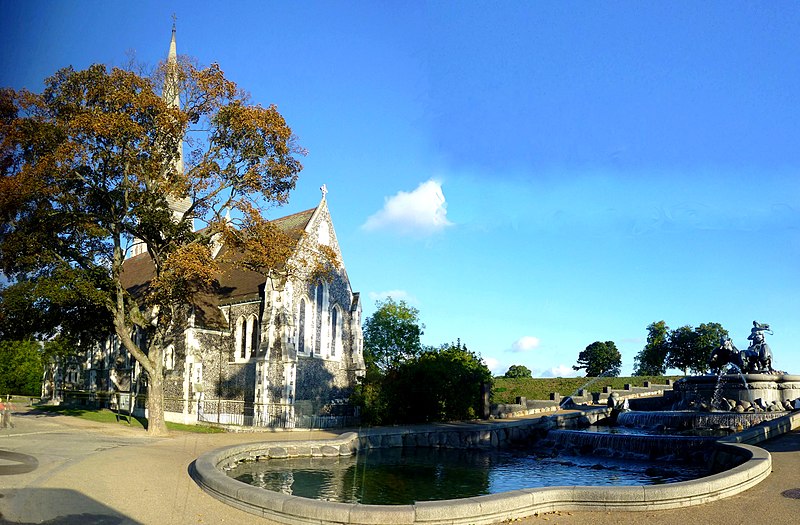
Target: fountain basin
<point>770,388</point>
<point>686,420</point>
<point>753,465</point>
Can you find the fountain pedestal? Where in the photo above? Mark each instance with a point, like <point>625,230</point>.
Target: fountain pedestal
<point>741,387</point>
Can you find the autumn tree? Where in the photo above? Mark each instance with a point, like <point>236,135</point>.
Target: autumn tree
<point>94,164</point>
<point>600,359</point>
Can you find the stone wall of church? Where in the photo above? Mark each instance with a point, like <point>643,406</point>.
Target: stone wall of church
<point>174,378</point>
<point>319,381</point>
<point>339,290</point>
<point>276,373</point>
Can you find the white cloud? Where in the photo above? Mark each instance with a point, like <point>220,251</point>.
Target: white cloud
<point>560,371</point>
<point>493,364</point>
<point>420,212</point>
<point>525,343</point>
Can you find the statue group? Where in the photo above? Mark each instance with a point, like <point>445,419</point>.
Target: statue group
<point>756,359</point>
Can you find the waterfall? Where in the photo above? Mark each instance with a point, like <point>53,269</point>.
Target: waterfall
<point>630,446</point>
<point>690,420</point>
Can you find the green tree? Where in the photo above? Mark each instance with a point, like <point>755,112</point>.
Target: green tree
<point>392,334</point>
<point>689,348</point>
<point>600,359</point>
<point>21,367</point>
<point>652,359</point>
<point>438,385</point>
<point>709,336</point>
<point>683,353</point>
<point>515,371</point>
<point>94,163</point>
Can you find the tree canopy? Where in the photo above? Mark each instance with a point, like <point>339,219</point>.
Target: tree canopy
<point>517,371</point>
<point>438,384</point>
<point>392,334</point>
<point>94,164</point>
<point>652,359</point>
<point>21,367</point>
<point>600,359</point>
<point>685,348</point>
<point>689,348</point>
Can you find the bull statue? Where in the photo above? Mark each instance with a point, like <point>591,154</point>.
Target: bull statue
<point>726,355</point>
<point>757,358</point>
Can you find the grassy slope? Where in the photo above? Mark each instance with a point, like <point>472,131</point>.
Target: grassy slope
<point>507,390</point>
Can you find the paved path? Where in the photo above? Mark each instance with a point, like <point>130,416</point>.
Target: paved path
<point>62,470</point>
<point>99,474</point>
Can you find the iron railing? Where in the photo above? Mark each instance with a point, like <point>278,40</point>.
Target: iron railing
<point>337,414</point>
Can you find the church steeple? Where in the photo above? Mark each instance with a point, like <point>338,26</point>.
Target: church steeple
<point>171,92</point>
<point>171,96</point>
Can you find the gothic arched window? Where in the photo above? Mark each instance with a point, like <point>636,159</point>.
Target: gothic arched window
<point>336,329</point>
<point>243,340</point>
<point>255,336</point>
<point>301,327</point>
<point>320,296</point>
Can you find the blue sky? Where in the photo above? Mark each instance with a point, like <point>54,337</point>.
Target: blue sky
<point>532,176</point>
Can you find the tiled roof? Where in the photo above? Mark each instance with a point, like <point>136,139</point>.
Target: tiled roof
<point>233,284</point>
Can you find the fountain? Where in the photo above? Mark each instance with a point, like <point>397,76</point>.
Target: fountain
<point>744,394</point>
<point>744,381</point>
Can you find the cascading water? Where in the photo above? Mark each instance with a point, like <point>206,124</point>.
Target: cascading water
<point>631,446</point>
<point>716,398</point>
<point>682,420</point>
<point>722,380</point>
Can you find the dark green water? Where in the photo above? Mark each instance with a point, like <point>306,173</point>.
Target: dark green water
<point>399,476</point>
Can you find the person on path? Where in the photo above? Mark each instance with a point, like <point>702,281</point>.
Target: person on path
<point>6,410</point>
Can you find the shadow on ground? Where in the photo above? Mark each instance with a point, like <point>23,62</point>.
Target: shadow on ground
<point>16,463</point>
<point>102,415</point>
<point>56,507</point>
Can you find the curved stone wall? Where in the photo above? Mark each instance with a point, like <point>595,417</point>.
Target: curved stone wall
<point>753,465</point>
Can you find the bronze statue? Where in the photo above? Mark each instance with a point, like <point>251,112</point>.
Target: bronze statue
<point>757,358</point>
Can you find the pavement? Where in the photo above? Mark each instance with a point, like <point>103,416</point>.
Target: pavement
<point>62,470</point>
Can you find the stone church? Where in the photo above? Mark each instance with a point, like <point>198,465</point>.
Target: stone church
<point>261,350</point>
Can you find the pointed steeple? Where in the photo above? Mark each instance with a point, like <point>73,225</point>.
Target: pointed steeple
<point>171,96</point>
<point>171,93</point>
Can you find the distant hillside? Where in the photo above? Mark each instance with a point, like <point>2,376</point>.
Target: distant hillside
<point>507,390</point>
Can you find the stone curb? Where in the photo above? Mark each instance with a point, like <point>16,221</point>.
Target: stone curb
<point>282,508</point>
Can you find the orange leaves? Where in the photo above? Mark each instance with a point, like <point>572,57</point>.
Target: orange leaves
<point>257,149</point>
<point>186,271</point>
<point>258,245</point>
<point>326,264</point>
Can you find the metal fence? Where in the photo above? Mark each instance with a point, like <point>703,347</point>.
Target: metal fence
<point>337,414</point>
<point>275,415</point>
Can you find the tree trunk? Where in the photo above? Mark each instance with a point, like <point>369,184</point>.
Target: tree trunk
<point>156,424</point>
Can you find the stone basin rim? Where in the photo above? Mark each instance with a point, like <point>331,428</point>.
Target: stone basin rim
<point>493,508</point>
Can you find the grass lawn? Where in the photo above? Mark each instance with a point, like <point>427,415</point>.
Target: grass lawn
<point>506,390</point>
<point>104,415</point>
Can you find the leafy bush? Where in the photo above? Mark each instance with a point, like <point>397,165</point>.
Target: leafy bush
<point>438,385</point>
<point>21,368</point>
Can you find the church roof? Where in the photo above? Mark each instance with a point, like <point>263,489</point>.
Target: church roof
<point>233,284</point>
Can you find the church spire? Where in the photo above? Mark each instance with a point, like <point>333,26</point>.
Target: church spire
<point>171,79</point>
<point>171,96</point>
